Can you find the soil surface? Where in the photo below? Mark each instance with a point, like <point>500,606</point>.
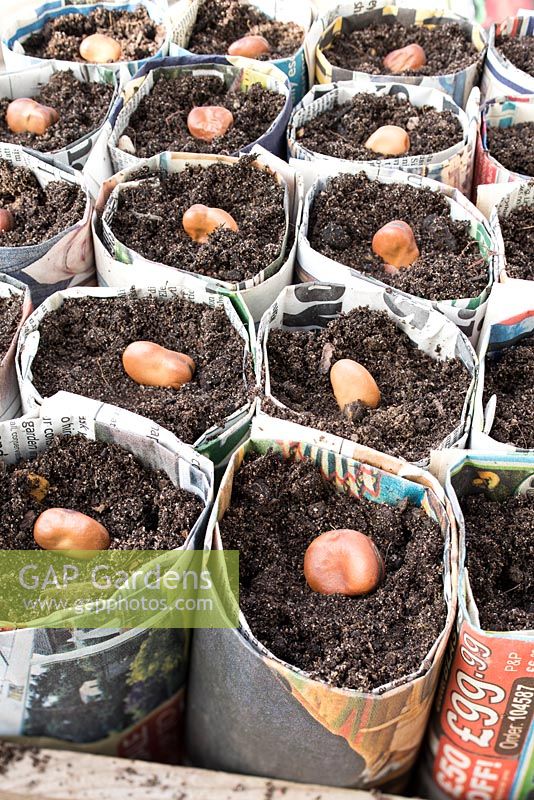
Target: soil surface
<point>343,131</point>
<point>139,36</point>
<point>512,147</point>
<point>277,509</point>
<point>519,50</point>
<point>219,23</point>
<point>500,559</point>
<point>39,214</point>
<point>149,219</point>
<point>421,401</point>
<point>448,48</point>
<point>82,108</point>
<point>510,376</point>
<point>518,234</point>
<point>10,316</point>
<point>345,217</point>
<point>141,508</point>
<point>160,122</point>
<point>81,349</point>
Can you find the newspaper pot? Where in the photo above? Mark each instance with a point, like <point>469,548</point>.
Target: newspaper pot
<point>143,726</point>
<point>245,75</point>
<point>480,735</point>
<point>118,265</point>
<point>501,112</point>
<point>219,441</point>
<point>466,313</point>
<point>311,306</point>
<point>34,19</point>
<point>67,259</point>
<point>275,720</point>
<point>509,321</point>
<point>517,196</point>
<point>352,16</point>
<point>452,166</point>
<point>29,82</point>
<point>184,16</point>
<point>500,76</point>
<point>10,404</point>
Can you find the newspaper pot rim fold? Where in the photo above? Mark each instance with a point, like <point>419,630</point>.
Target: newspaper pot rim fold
<point>159,164</point>
<point>456,201</point>
<point>503,173</point>
<point>362,295</point>
<point>516,79</point>
<point>145,79</point>
<point>236,312</point>
<point>12,39</point>
<point>395,467</point>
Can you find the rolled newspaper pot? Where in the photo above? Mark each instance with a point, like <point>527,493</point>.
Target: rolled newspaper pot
<point>452,166</point>
<point>221,439</point>
<point>502,113</point>
<point>311,306</point>
<point>509,323</point>
<point>65,259</point>
<point>351,16</point>
<point>500,76</point>
<point>17,29</point>
<point>516,264</point>
<point>69,680</point>
<point>466,313</point>
<point>184,15</point>
<point>372,738</point>
<point>233,77</point>
<point>29,82</point>
<point>475,750</point>
<point>15,302</point>
<point>118,265</point>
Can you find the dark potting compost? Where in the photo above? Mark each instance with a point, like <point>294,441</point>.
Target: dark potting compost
<point>510,376</point>
<point>421,398</point>
<point>10,316</point>
<point>138,35</point>
<point>448,48</point>
<point>38,213</point>
<point>518,234</point>
<point>512,147</point>
<point>81,347</point>
<point>345,217</point>
<point>277,509</point>
<point>160,121</point>
<point>219,23</point>
<point>140,508</point>
<point>82,108</point>
<point>149,219</point>
<point>519,50</point>
<point>500,559</point>
<point>343,131</point>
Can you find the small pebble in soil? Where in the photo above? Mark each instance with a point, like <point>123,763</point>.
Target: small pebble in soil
<point>346,215</point>
<point>500,560</point>
<point>10,317</point>
<point>512,147</point>
<point>277,510</point>
<point>140,508</point>
<point>518,234</point>
<point>82,345</point>
<point>38,213</point>
<point>138,35</point>
<point>519,50</point>
<point>160,121</point>
<point>343,131</point>
<point>417,408</point>
<point>251,196</point>
<point>83,108</point>
<point>220,23</point>
<point>448,48</point>
<point>510,375</point>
